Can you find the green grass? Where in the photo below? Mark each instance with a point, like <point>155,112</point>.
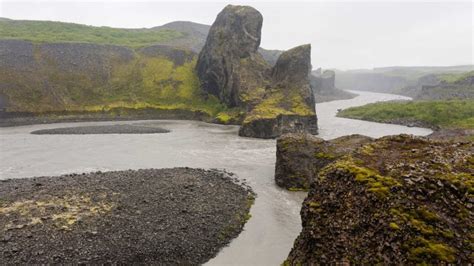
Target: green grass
<point>48,31</point>
<point>455,77</point>
<point>443,114</point>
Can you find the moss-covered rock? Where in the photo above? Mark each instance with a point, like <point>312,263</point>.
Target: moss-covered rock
<point>276,100</point>
<point>397,200</point>
<point>230,49</point>
<point>288,105</point>
<point>300,157</point>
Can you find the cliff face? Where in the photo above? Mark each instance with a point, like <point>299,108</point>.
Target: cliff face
<point>324,89</point>
<point>277,100</point>
<point>397,200</point>
<point>323,81</point>
<point>88,77</point>
<point>461,87</point>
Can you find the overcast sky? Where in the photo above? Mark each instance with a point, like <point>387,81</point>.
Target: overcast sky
<point>345,35</point>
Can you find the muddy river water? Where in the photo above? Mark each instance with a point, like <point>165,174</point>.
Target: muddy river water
<point>267,237</point>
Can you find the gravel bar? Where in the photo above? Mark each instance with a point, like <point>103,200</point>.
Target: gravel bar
<point>158,216</point>
<point>104,129</point>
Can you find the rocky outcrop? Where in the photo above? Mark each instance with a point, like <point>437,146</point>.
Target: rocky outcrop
<point>300,157</point>
<point>277,100</point>
<point>323,81</point>
<point>324,90</point>
<point>234,37</point>
<point>397,200</point>
<point>270,128</point>
<point>462,87</point>
<point>288,105</point>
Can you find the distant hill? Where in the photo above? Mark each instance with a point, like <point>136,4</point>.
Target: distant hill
<point>394,79</point>
<point>193,34</point>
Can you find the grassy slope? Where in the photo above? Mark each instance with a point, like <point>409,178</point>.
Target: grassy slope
<point>143,83</point>
<point>443,114</point>
<point>455,77</point>
<point>48,31</point>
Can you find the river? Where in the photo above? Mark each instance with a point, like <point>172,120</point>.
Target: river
<point>267,237</point>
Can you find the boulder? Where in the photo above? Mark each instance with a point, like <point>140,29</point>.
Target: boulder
<point>399,200</point>
<point>300,157</point>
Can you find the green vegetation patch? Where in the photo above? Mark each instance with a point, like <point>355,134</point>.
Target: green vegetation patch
<point>54,32</point>
<point>278,103</point>
<point>140,84</point>
<point>443,114</point>
<point>455,77</point>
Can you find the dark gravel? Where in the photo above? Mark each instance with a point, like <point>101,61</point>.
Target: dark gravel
<point>105,129</point>
<point>159,216</point>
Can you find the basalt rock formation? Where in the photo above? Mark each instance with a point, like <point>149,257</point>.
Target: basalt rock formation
<point>287,106</point>
<point>276,100</point>
<point>300,157</point>
<point>324,81</point>
<point>231,45</point>
<point>324,89</point>
<point>398,200</point>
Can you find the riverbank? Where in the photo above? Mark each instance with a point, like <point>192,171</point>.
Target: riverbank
<point>10,119</point>
<point>448,118</point>
<point>162,216</point>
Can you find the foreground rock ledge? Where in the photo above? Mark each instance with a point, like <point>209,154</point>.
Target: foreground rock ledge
<point>300,157</point>
<point>398,200</point>
<point>165,216</point>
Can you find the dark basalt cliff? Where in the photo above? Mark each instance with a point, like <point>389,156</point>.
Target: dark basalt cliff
<point>397,200</point>
<point>300,157</point>
<point>276,100</point>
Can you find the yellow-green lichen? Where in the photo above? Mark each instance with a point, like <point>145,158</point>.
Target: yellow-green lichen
<point>277,103</point>
<point>394,226</point>
<point>422,250</point>
<point>376,183</point>
<point>324,155</point>
<point>64,211</point>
